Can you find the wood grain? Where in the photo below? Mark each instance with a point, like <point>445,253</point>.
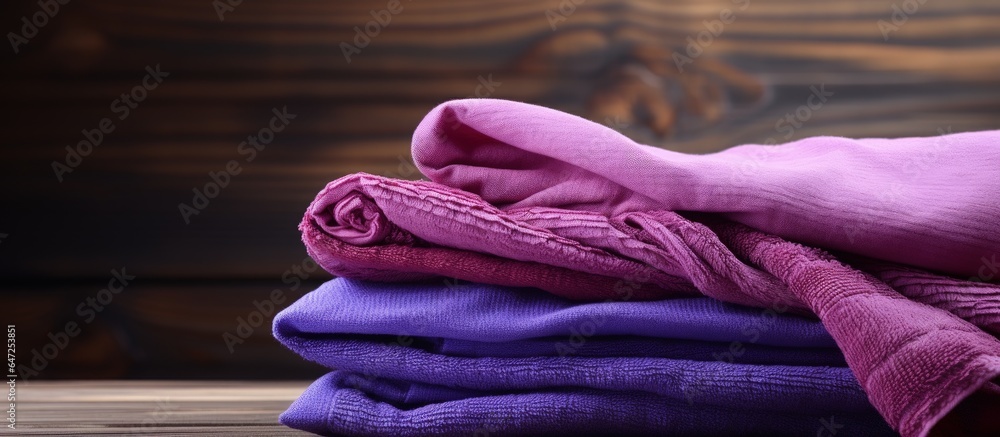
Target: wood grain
<point>162,408</point>
<point>936,71</point>
<point>157,329</point>
<point>610,60</point>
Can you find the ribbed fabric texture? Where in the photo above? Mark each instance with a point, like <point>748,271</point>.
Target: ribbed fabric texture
<point>928,202</point>
<point>526,196</point>
<point>578,412</point>
<point>433,359</point>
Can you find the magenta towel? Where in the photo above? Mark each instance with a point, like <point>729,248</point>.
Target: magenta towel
<point>529,196</point>
<point>370,227</point>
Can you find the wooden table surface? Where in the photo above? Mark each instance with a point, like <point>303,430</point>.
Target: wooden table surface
<point>162,408</point>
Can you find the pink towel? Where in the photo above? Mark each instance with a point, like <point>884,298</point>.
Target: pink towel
<point>928,202</point>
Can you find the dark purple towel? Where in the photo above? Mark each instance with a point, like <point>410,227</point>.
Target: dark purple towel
<point>337,405</point>
<point>467,354</point>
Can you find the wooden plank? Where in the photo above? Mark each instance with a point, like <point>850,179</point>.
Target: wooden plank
<point>156,328</point>
<point>937,71</point>
<point>162,408</point>
<point>306,35</point>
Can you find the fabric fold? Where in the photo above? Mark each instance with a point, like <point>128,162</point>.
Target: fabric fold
<point>915,361</point>
<point>350,409</point>
<point>434,230</point>
<point>890,243</point>
<point>392,347</point>
<point>489,313</point>
<point>428,230</point>
<point>928,202</point>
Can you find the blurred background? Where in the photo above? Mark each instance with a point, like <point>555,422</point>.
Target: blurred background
<point>117,114</point>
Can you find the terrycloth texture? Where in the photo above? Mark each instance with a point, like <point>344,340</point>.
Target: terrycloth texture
<point>916,362</point>
<point>337,405</point>
<point>561,194</point>
<point>370,227</point>
<point>494,314</point>
<point>393,347</point>
<point>975,301</point>
<point>362,226</point>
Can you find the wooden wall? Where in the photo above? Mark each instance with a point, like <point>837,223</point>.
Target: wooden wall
<point>935,68</point>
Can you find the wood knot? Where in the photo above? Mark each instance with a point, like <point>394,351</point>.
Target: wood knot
<point>646,87</point>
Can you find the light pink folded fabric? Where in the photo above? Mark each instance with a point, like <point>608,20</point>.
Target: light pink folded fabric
<point>928,202</point>
<point>523,195</point>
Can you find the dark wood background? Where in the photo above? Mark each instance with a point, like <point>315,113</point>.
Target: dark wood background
<point>608,60</point>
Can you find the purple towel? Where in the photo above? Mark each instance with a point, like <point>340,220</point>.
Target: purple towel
<point>336,405</point>
<point>578,210</point>
<point>474,353</point>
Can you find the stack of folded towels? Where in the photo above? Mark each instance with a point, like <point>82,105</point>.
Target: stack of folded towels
<point>555,278</point>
